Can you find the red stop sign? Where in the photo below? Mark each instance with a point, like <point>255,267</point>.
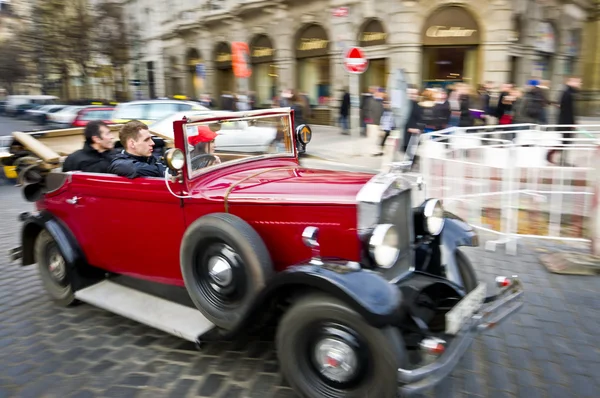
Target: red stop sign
<point>355,61</point>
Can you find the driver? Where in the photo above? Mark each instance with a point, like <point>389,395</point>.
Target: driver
<point>204,145</point>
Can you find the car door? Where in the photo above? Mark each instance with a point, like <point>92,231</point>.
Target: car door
<point>129,226</point>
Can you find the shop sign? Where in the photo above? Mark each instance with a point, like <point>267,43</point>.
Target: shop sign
<point>372,34</point>
<point>545,38</point>
<point>261,49</point>
<point>312,42</point>
<point>222,56</point>
<point>241,59</point>
<point>449,31</point>
<point>451,26</point>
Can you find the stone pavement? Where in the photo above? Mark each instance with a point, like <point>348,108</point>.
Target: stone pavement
<point>549,349</point>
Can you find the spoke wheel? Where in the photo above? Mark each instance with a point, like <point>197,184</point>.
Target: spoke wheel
<point>327,350</point>
<point>225,265</point>
<point>220,275</point>
<point>53,270</point>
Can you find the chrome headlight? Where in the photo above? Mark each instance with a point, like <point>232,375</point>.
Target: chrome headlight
<point>383,245</point>
<point>434,217</point>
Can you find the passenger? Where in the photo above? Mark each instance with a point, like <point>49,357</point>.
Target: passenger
<point>204,143</point>
<point>97,152</point>
<point>136,159</point>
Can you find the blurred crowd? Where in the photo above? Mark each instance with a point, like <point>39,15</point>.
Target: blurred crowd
<point>462,105</point>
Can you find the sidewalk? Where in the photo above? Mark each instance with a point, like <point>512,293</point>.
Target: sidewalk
<point>328,143</point>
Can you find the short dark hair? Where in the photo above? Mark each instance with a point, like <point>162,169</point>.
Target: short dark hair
<point>131,130</point>
<point>92,129</point>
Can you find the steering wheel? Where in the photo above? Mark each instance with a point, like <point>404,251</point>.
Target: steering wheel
<point>207,158</point>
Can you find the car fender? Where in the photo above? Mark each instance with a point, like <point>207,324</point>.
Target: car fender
<point>81,274</point>
<point>441,251</point>
<point>365,291</point>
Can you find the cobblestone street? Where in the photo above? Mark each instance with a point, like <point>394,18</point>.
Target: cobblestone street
<point>549,349</point>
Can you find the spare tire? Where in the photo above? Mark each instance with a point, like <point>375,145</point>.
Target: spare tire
<point>225,264</point>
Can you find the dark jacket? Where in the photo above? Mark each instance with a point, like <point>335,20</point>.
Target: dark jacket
<point>345,107</point>
<point>298,115</point>
<point>466,120</point>
<point>501,109</point>
<point>442,115</point>
<point>89,160</point>
<point>131,166</point>
<point>567,106</point>
<point>414,121</point>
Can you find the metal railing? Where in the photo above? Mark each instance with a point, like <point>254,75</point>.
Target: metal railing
<point>516,181</point>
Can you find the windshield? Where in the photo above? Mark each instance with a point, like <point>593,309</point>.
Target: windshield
<point>214,144</point>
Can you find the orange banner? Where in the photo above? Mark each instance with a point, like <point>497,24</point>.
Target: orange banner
<point>240,52</point>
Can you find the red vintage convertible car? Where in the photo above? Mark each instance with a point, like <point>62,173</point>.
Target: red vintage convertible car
<point>376,297</point>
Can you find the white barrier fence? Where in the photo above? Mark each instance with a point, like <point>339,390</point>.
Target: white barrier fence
<point>515,180</point>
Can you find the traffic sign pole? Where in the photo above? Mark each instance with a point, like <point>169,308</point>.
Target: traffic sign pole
<point>355,112</point>
<point>355,63</point>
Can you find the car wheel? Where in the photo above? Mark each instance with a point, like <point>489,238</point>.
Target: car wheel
<point>224,263</point>
<point>53,270</point>
<point>326,349</point>
<point>467,273</point>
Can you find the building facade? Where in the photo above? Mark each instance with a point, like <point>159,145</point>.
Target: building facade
<point>301,44</point>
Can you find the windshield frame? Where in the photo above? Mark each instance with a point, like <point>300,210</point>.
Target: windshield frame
<point>234,117</point>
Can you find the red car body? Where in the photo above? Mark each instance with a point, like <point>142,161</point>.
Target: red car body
<point>125,213</point>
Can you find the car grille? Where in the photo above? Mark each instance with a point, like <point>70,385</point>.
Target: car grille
<point>396,209</point>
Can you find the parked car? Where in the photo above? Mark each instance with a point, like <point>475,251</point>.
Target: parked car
<point>374,295</point>
<point>87,114</point>
<point>40,114</point>
<point>65,117</point>
<point>13,102</point>
<point>20,111</point>
<point>152,110</point>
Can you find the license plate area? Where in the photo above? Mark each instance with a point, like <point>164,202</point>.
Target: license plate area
<point>470,304</point>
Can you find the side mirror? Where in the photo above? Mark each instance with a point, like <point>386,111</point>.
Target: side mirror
<point>175,159</point>
<point>303,134</point>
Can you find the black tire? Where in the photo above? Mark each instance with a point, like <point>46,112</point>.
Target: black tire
<point>467,273</point>
<point>383,350</point>
<point>212,235</point>
<point>47,255</point>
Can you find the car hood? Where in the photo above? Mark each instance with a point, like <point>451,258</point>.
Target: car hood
<point>291,184</point>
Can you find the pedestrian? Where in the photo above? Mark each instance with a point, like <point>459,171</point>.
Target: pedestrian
<point>386,124</point>
<point>414,123</point>
<point>566,115</point>
<point>345,112</point>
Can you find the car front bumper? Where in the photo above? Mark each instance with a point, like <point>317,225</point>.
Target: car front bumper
<point>495,310</point>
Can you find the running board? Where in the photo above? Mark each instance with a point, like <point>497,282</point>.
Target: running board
<point>170,317</point>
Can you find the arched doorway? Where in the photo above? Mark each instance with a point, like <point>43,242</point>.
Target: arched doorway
<point>264,71</point>
<point>224,80</point>
<point>194,69</point>
<point>372,34</point>
<point>313,75</point>
<point>451,38</point>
